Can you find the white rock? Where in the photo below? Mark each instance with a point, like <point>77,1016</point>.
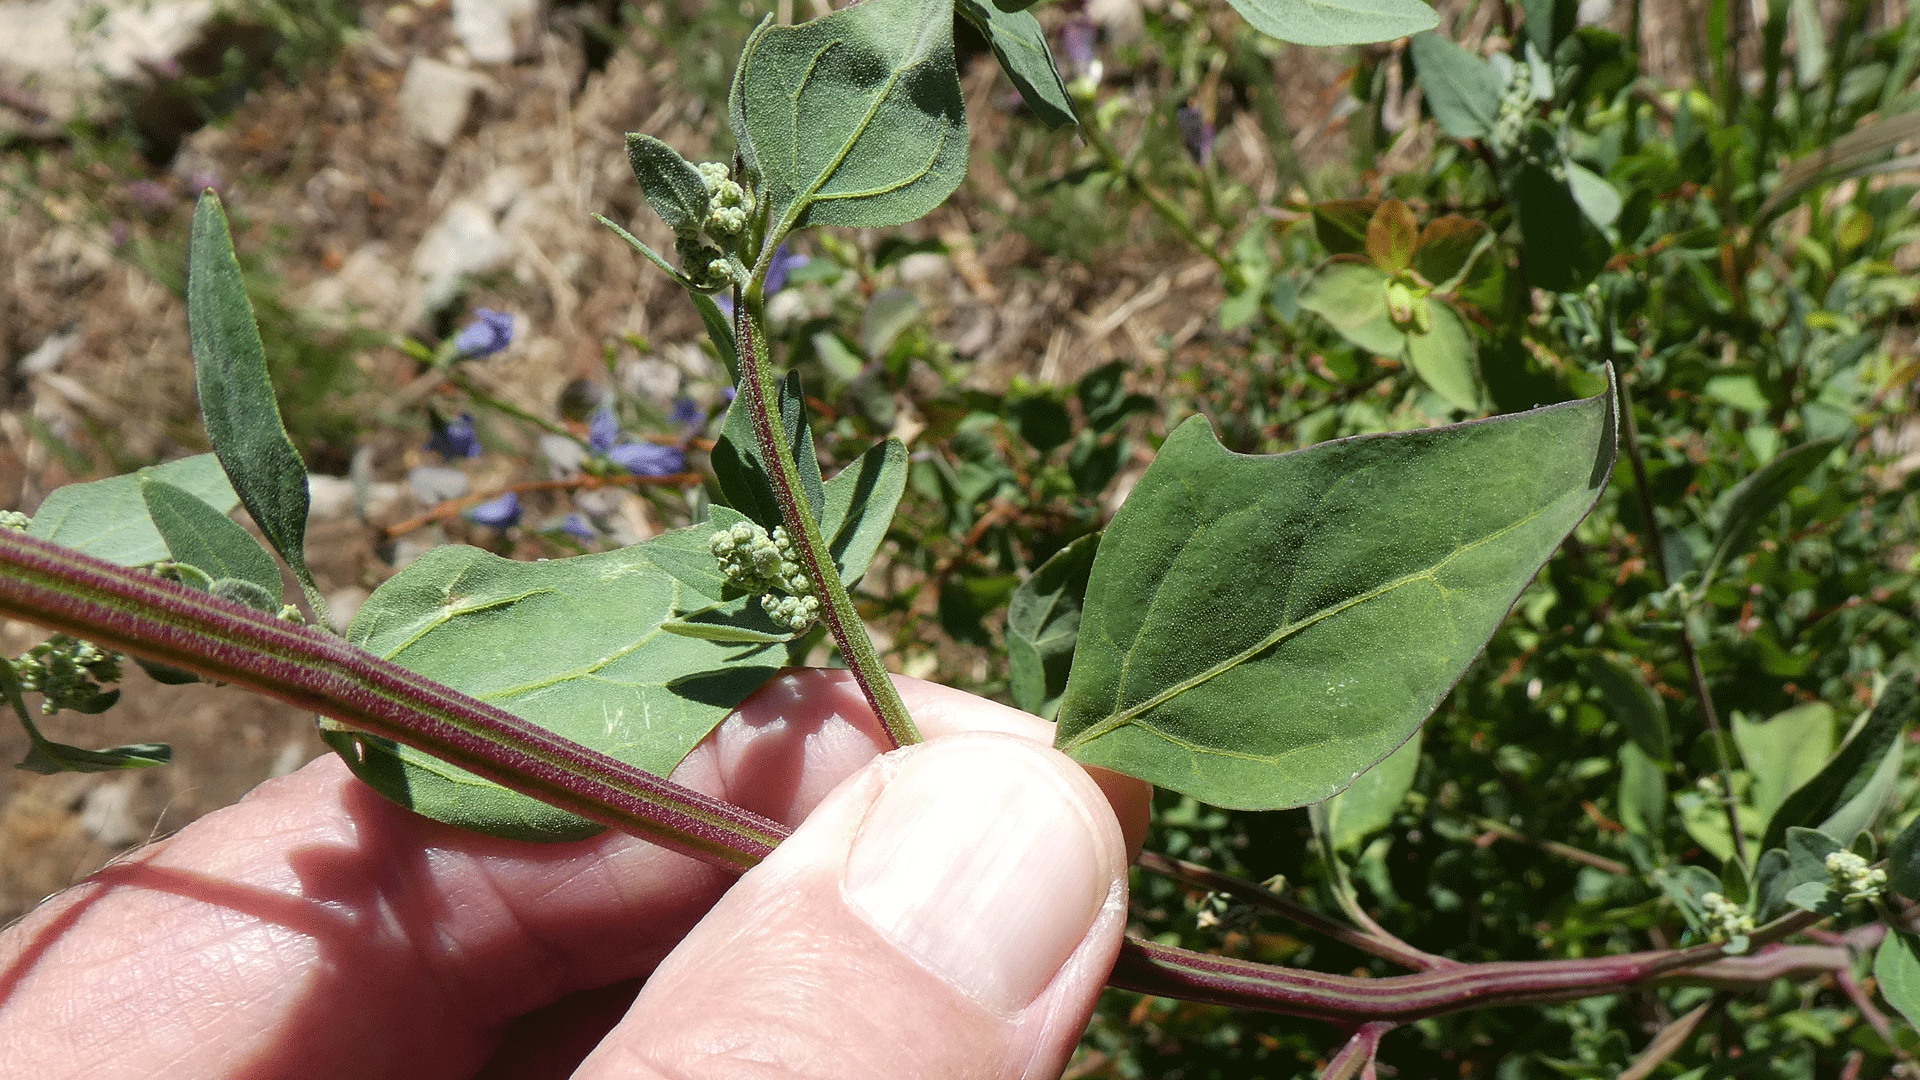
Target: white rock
<point>468,239</point>
<point>435,99</point>
<point>497,31</point>
<point>76,58</point>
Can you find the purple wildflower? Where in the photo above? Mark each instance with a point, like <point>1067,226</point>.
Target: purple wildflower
<point>1077,37</point>
<point>500,513</point>
<point>488,333</point>
<point>1196,132</point>
<point>576,526</point>
<point>602,430</point>
<point>455,439</point>
<point>687,414</point>
<point>648,459</point>
<point>150,195</point>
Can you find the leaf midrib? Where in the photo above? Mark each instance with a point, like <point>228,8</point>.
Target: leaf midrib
<point>1132,713</point>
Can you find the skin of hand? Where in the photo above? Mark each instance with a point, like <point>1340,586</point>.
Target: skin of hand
<point>947,910</point>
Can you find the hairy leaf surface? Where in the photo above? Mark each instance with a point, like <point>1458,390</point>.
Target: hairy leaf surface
<point>108,518</point>
<point>1336,22</point>
<point>1020,45</point>
<point>855,118</point>
<point>207,539</point>
<point>1259,631</point>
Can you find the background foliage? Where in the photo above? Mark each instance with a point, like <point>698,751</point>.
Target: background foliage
<point>1739,243</point>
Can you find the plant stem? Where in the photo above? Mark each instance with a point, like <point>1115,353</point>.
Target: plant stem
<point>1670,1039</point>
<point>140,613</point>
<point>1169,212</point>
<point>1657,551</point>
<point>1356,1058</point>
<point>849,632</point>
<point>1552,847</point>
<point>134,611</point>
<point>1389,948</point>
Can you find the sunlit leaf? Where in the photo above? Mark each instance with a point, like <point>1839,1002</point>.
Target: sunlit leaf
<point>1020,45</point>
<point>855,118</point>
<point>1370,804</point>
<point>1443,357</point>
<point>1259,631</point>
<point>1896,967</point>
<point>1783,752</point>
<point>671,185</point>
<point>1848,792</point>
<point>108,519</point>
<point>1336,22</point>
<point>236,394</point>
<point>1461,88</point>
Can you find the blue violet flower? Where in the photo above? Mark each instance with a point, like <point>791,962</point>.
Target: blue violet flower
<point>488,333</point>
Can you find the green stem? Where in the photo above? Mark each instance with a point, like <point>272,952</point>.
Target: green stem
<point>1657,552</point>
<point>1169,212</point>
<point>836,610</point>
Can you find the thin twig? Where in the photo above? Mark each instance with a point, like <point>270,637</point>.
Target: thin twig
<point>1387,948</point>
<point>1656,548</point>
<point>1670,1039</point>
<point>1355,1060</point>
<point>1553,847</point>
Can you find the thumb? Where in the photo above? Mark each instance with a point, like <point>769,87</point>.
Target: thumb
<point>952,910</point>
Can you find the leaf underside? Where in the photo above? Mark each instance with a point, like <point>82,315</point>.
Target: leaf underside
<point>855,118</point>
<point>1258,631</point>
<point>1337,22</point>
<point>580,647</point>
<point>108,518</point>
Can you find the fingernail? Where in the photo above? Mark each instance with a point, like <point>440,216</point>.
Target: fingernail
<point>981,863</point>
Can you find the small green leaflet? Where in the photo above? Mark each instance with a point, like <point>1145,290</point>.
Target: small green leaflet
<point>1020,45</point>
<point>208,540</point>
<point>1337,22</point>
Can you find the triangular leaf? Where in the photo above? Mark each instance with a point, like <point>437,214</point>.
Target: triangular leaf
<point>108,518</point>
<point>1258,631</point>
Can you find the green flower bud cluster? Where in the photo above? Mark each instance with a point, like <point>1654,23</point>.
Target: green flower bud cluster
<point>1851,872</point>
<point>1511,122</point>
<point>765,564</point>
<point>1726,920</point>
<point>15,520</point>
<point>67,673</point>
<point>1407,307</point>
<point>729,208</point>
<point>728,204</point>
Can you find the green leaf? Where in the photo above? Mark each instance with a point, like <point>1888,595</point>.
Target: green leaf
<point>1784,752</point>
<point>1352,295</point>
<point>1259,631</point>
<point>1755,499</point>
<point>1808,884</point>
<point>671,184</point>
<point>1461,88</point>
<point>1341,224</point>
<point>1043,624</point>
<point>1392,236</point>
<point>1336,22</point>
<point>236,395</point>
<point>1643,795</point>
<point>1104,398</point>
<point>1847,793</point>
<point>206,539</point>
<point>855,118</point>
<point>108,518</point>
<point>1633,703</point>
<point>1772,879</point>
<point>1447,247</point>
<point>744,473</point>
<point>1564,249</point>
<point>1903,861</point>
<point>1041,419</point>
<point>1687,886</point>
<point>1370,804</point>
<point>575,645</point>
<point>1443,358</point>
<point>1896,967</point>
<point>858,504</point>
<point>46,757</point>
<point>1597,198</point>
<point>1548,22</point>
<point>1021,47</point>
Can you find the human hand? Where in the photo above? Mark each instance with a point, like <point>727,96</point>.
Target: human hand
<point>951,910</point>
